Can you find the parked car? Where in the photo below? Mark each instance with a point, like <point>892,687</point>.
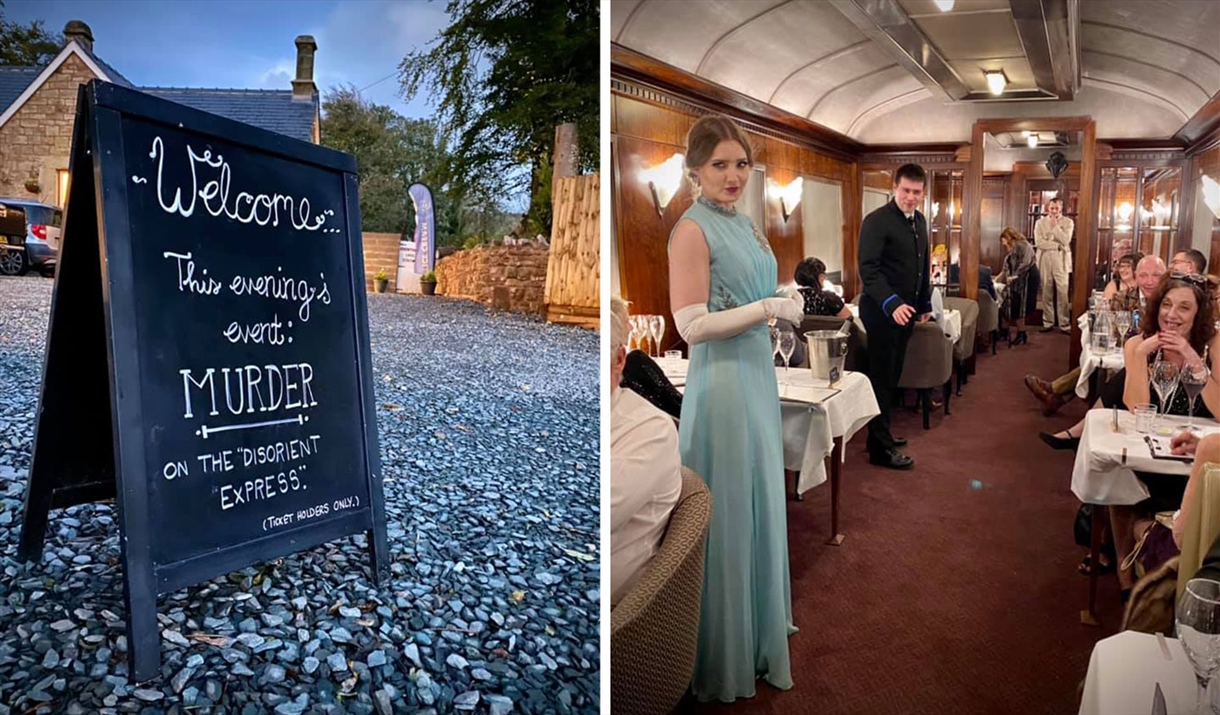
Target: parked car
<point>43,224</point>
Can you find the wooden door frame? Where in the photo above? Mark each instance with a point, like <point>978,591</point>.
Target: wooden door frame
<point>1085,222</point>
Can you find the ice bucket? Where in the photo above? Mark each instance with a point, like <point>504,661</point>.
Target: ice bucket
<point>827,353</point>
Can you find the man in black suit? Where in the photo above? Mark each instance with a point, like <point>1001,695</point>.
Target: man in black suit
<point>894,268</point>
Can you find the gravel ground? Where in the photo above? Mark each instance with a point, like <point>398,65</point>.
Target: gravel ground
<point>489,441</point>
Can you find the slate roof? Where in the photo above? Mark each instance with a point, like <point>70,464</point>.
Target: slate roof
<point>273,110</point>
<point>13,81</point>
<point>269,109</point>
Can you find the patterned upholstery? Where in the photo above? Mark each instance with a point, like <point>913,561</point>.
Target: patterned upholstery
<point>655,628</point>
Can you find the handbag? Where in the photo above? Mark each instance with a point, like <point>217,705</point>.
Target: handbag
<point>1083,527</point>
<point>1155,547</point>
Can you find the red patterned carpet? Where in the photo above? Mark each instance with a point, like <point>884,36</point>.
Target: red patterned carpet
<point>946,598</point>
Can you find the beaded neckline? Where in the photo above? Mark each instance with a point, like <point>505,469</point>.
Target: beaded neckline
<point>717,207</point>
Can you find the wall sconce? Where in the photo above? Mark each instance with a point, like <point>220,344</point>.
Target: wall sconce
<point>1160,212</point>
<point>789,196</point>
<point>935,209</point>
<point>943,5</point>
<point>1211,194</point>
<point>996,81</point>
<point>1032,140</point>
<point>663,181</point>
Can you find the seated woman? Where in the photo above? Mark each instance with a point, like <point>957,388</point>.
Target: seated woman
<point>810,275</point>
<point>1183,329</point>
<point>1123,287</point>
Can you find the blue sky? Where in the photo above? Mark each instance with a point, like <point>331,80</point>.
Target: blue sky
<point>249,43</point>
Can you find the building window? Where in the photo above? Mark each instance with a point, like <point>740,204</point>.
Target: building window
<point>61,182</point>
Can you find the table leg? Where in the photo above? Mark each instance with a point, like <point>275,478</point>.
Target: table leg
<point>796,482</point>
<point>1089,617</point>
<point>836,473</point>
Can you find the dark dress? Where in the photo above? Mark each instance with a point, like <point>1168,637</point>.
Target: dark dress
<point>1017,266</point>
<point>821,302</point>
<point>646,378</point>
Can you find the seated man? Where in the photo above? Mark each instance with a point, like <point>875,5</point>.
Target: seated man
<point>1057,393</point>
<point>645,471</point>
<point>1189,261</point>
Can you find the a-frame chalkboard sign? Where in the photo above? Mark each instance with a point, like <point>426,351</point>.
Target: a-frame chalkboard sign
<point>207,362</point>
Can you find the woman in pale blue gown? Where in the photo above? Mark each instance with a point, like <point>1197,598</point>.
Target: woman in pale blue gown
<point>723,294</point>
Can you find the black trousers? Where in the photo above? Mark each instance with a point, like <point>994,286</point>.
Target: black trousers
<point>887,350</point>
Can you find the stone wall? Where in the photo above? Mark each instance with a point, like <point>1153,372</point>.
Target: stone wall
<point>506,277</point>
<point>380,254</point>
<point>37,140</point>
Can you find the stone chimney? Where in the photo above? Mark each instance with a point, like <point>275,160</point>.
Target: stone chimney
<point>303,88</point>
<point>79,31</point>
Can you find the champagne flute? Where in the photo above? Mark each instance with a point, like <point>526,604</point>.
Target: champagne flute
<point>787,343</point>
<point>633,322</point>
<point>1122,321</point>
<point>655,330</point>
<point>1165,377</point>
<point>1198,629</point>
<point>1193,380</point>
<point>659,328</point>
<point>774,331</point>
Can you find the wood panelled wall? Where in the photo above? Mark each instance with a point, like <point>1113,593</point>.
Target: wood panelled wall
<point>645,134</point>
<point>1207,162</point>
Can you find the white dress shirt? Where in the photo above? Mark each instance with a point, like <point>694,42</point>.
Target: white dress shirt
<point>645,483</point>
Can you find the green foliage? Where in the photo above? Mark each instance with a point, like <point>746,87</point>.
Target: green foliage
<point>27,45</point>
<point>472,242</point>
<point>392,152</point>
<point>429,277</point>
<point>504,74</point>
<point>381,275</point>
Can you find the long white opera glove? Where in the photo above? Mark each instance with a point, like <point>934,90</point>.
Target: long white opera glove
<point>696,325</point>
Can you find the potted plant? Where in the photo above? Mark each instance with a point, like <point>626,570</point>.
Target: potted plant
<point>381,280</point>
<point>427,283</point>
<point>32,186</point>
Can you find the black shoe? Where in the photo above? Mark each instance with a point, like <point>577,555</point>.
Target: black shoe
<point>1022,338</point>
<point>1047,329</point>
<point>1057,442</point>
<point>891,459</point>
<point>900,441</point>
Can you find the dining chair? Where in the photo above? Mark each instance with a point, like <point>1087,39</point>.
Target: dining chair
<point>928,365</point>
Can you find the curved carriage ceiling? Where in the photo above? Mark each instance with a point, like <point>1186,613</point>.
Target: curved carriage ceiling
<point>901,71</point>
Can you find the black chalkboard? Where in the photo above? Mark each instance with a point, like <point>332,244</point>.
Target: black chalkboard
<point>208,357</point>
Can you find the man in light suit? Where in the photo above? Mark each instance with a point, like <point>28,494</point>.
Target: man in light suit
<point>1053,239</point>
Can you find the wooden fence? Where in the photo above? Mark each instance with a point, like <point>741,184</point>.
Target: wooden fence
<point>573,276</point>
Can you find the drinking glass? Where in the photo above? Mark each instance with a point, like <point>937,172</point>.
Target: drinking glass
<point>1164,376</point>
<point>1193,380</point>
<point>1122,322</point>
<point>774,331</point>
<point>633,337</point>
<point>658,330</point>
<point>787,343</point>
<point>673,354</point>
<point>1145,416</point>
<point>1198,628</point>
<point>650,330</point>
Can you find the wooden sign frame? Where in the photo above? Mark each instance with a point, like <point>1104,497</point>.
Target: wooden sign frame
<point>90,439</point>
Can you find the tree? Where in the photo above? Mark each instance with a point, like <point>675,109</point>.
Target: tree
<point>27,45</point>
<point>392,152</point>
<point>503,75</point>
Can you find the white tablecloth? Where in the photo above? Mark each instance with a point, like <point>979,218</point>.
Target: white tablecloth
<point>813,415</point>
<point>1124,671</point>
<point>1090,361</point>
<point>1100,475</point>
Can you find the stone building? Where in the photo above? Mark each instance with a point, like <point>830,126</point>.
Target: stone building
<point>38,104</point>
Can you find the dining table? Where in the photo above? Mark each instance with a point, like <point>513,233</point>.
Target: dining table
<point>951,322</point>
<point>1110,452</point>
<point>1125,670</point>
<point>1092,360</point>
<point>817,418</point>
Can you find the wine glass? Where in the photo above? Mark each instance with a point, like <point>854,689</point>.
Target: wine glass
<point>787,343</point>
<point>1122,322</point>
<point>1165,377</point>
<point>633,322</point>
<point>1198,628</point>
<point>774,331</point>
<point>658,331</point>
<point>655,330</point>
<point>1193,380</point>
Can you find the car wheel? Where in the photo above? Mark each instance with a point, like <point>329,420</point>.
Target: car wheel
<point>13,263</point>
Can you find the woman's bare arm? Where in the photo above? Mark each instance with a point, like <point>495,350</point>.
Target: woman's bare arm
<point>689,266</point>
